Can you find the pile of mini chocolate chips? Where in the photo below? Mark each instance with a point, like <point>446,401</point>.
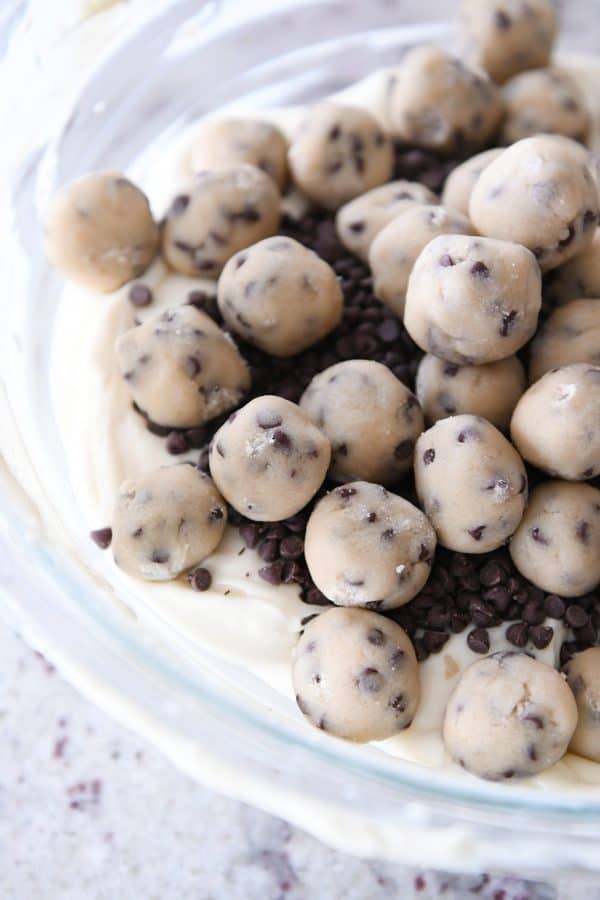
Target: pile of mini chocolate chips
<point>464,592</point>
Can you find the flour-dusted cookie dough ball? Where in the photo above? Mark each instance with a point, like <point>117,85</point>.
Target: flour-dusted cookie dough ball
<point>579,278</point>
<point>583,676</point>
<point>505,37</point>
<point>471,483</point>
<point>556,423</point>
<point>544,101</point>
<point>359,221</point>
<point>224,211</point>
<point>570,335</point>
<point>280,296</point>
<point>492,391</point>
<point>509,716</point>
<point>367,547</point>
<point>338,153</point>
<point>100,231</point>
<point>461,180</point>
<point>436,102</point>
<point>371,419</point>
<point>268,460</point>
<point>395,249</point>
<point>226,142</point>
<point>355,675</point>
<point>557,545</point>
<point>181,369</point>
<point>473,300</point>
<point>166,522</point>
<point>540,193</point>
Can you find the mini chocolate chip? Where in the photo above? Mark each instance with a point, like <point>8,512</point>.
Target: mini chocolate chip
<point>508,321</point>
<point>334,133</point>
<point>179,204</point>
<point>389,331</point>
<point>424,553</point>
<point>446,260</point>
<point>306,619</point>
<point>282,440</point>
<point>216,514</point>
<point>434,641</point>
<point>357,227</point>
<point>334,166</point>
<point>554,606</point>
<point>502,20</point>
<point>479,270</point>
<point>372,517</point>
<point>517,634</point>
<point>160,557</point>
<point>268,550</point>
<point>376,637</point>
<point>576,616</point>
<point>538,536</point>
<point>468,434</point>
<point>370,680</point>
<point>404,449</point>
<point>491,574</point>
<point>397,658</point>
<point>176,443</point>
<point>479,640</point>
<point>429,456</point>
<point>533,613</point>
<point>102,537</point>
<point>346,492</point>
<point>541,635</point>
<point>398,703</point>
<point>273,573</point>
<point>140,295</point>
<point>387,535</point>
<point>266,419</point>
<point>199,579</point>
<point>301,705</point>
<point>589,218</point>
<point>582,530</point>
<point>219,448</point>
<point>291,547</point>
<point>450,370</point>
<point>477,533</point>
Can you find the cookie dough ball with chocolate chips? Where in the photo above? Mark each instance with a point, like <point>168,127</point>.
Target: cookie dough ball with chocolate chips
<point>579,278</point>
<point>505,37</point>
<point>371,419</point>
<point>471,483</point>
<point>358,222</point>
<point>367,547</point>
<point>100,231</point>
<point>570,335</point>
<point>492,391</point>
<point>557,545</point>
<point>395,249</point>
<point>181,369</point>
<point>338,153</point>
<point>280,296</point>
<point>583,676</point>
<point>473,300</point>
<point>461,180</point>
<point>225,210</point>
<point>540,193</point>
<point>509,716</point>
<point>268,460</point>
<point>434,101</point>
<point>226,142</point>
<point>556,424</point>
<point>355,675</point>
<point>544,101</point>
<point>166,522</point>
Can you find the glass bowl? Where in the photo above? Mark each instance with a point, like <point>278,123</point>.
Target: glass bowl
<point>89,102</point>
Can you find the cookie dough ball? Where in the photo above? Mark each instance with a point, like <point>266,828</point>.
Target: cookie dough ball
<point>583,676</point>
<point>167,522</point>
<point>395,249</point>
<point>100,231</point>
<point>461,180</point>
<point>280,296</point>
<point>355,675</point>
<point>509,716</point>
<point>471,483</point>
<point>338,153</point>
<point>556,424</point>
<point>544,101</point>
<point>540,193</point>
<point>570,335</point>
<point>505,37</point>
<point>371,419</point>
<point>358,222</point>
<point>224,211</point>
<point>181,369</point>
<point>227,142</point>
<point>492,391</point>
<point>473,300</point>
<point>557,545</point>
<point>268,460</point>
<point>578,278</point>
<point>436,102</point>
<point>367,547</point>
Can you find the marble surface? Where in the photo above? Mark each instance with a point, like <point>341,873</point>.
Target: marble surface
<point>89,811</point>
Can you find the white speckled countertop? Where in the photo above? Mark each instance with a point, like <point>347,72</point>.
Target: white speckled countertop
<point>88,811</point>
